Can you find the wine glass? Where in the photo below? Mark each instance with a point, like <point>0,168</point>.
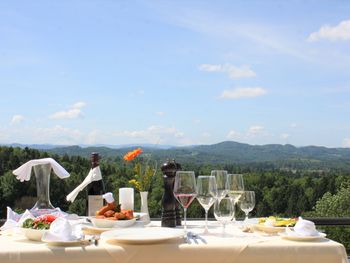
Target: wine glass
<point>185,190</point>
<point>235,187</point>
<point>221,178</point>
<point>224,211</point>
<point>247,203</point>
<point>206,194</point>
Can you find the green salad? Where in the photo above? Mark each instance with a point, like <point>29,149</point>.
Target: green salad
<point>40,223</point>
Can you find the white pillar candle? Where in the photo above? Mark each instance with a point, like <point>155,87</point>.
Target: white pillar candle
<point>126,198</point>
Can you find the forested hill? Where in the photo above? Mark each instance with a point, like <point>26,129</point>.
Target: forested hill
<point>230,152</point>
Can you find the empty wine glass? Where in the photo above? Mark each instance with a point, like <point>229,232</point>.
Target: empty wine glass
<point>224,211</point>
<point>185,190</point>
<point>247,203</point>
<point>221,178</point>
<point>235,186</point>
<point>206,194</point>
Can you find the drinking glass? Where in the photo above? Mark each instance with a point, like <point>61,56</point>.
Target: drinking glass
<point>206,194</point>
<point>185,190</point>
<point>247,203</point>
<point>221,178</point>
<point>224,211</point>
<point>235,186</point>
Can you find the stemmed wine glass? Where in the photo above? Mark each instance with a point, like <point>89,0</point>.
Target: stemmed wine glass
<point>224,211</point>
<point>235,186</point>
<point>206,194</point>
<point>185,190</point>
<point>247,203</point>
<point>221,179</point>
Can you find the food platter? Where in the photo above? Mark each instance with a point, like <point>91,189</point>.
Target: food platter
<point>107,223</point>
<point>142,235</point>
<point>269,229</point>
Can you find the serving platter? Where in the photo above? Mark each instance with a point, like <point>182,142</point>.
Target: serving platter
<point>269,229</point>
<point>106,223</point>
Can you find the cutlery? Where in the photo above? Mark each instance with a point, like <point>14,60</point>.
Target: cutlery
<point>195,237</point>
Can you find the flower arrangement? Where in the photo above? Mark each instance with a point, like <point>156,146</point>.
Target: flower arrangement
<point>144,170</point>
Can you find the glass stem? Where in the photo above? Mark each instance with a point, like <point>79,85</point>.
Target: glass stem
<point>185,225</point>
<point>206,220</point>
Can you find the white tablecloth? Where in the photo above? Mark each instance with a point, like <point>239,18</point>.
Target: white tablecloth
<point>237,247</point>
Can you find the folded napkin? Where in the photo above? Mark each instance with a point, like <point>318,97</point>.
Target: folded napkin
<point>94,175</point>
<point>304,228</point>
<point>15,220</point>
<point>62,230</point>
<point>24,171</point>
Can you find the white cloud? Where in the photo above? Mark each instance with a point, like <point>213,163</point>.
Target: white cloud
<point>156,134</point>
<point>346,142</point>
<point>17,119</point>
<point>238,93</point>
<point>338,32</point>
<point>293,125</point>
<point>285,136</point>
<point>233,72</point>
<point>58,134</point>
<point>74,112</point>
<point>233,135</point>
<point>255,130</point>
<point>196,121</point>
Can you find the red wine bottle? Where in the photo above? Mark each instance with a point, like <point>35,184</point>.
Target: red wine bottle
<point>95,189</point>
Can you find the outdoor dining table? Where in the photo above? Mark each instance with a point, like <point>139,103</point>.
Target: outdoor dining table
<point>235,246</point>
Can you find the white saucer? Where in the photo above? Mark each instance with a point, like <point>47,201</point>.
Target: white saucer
<point>52,240</point>
<point>295,237</point>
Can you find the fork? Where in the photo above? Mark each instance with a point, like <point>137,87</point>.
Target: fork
<point>195,237</point>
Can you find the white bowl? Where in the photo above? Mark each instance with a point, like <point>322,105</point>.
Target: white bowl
<point>34,234</point>
<point>105,223</point>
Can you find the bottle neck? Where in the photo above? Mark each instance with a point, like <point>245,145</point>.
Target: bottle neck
<point>95,158</point>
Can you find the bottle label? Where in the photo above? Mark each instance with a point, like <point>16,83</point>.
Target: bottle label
<point>95,203</point>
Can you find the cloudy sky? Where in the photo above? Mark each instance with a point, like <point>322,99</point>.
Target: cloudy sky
<point>175,72</point>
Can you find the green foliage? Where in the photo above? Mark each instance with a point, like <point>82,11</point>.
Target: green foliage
<point>335,205</point>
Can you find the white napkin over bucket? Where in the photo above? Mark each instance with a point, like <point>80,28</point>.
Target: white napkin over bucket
<point>304,228</point>
<point>94,175</point>
<point>24,171</point>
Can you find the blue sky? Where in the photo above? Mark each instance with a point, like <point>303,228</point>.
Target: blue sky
<point>175,72</point>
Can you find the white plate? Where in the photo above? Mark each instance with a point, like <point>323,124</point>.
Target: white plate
<point>269,229</point>
<point>294,237</point>
<point>49,239</point>
<point>143,235</point>
<point>105,223</point>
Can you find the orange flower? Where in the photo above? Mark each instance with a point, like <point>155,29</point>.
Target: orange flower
<point>131,155</point>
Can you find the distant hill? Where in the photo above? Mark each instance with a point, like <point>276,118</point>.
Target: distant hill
<point>230,152</point>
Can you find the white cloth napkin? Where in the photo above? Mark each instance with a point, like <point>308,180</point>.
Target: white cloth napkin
<point>304,228</point>
<point>94,175</point>
<point>24,171</point>
<point>108,197</point>
<point>62,230</point>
